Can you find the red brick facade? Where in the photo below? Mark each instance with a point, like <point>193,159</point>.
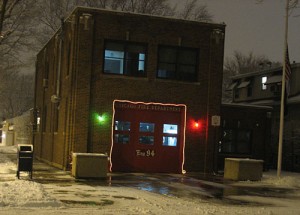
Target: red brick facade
<point>84,89</point>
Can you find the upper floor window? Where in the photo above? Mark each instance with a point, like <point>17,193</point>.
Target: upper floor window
<point>263,83</point>
<point>177,63</point>
<point>124,58</point>
<point>237,93</point>
<point>249,91</point>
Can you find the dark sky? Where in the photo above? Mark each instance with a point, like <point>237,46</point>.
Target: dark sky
<point>257,28</point>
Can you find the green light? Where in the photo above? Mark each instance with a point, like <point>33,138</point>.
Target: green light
<point>100,119</point>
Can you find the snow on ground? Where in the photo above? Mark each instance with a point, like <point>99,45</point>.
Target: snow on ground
<point>79,198</point>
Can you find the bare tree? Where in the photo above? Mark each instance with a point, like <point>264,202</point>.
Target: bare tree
<point>193,11</point>
<point>28,24</point>
<point>293,4</point>
<point>16,93</point>
<point>14,28</point>
<point>50,12</point>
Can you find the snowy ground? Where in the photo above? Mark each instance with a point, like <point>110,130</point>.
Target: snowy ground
<point>55,192</point>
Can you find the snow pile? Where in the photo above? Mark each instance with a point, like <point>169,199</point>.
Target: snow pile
<point>6,164</point>
<point>20,193</point>
<point>287,179</point>
<point>8,149</point>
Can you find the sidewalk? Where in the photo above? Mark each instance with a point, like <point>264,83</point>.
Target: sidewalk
<point>53,191</point>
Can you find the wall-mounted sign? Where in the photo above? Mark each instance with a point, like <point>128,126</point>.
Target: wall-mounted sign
<point>216,120</point>
<point>145,153</point>
<point>149,107</point>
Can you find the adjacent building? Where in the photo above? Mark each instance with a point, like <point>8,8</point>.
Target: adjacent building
<point>142,89</point>
<point>263,88</point>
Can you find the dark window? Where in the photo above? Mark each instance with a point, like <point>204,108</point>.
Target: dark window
<point>122,132</point>
<point>121,138</point>
<point>148,140</point>
<point>125,58</point>
<point>249,91</point>
<point>147,129</point>
<point>177,63</point>
<point>236,141</point>
<point>236,93</point>
<point>122,126</point>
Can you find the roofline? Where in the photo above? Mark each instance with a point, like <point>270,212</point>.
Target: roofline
<point>93,9</point>
<point>263,72</point>
<point>241,105</point>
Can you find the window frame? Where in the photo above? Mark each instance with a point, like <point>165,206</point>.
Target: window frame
<point>168,135</point>
<point>177,64</point>
<point>264,79</point>
<point>235,140</point>
<point>122,132</point>
<point>126,46</point>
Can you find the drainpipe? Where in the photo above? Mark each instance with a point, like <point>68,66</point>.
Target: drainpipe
<point>56,97</point>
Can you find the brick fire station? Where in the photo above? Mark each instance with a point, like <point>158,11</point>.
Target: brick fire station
<point>142,89</point>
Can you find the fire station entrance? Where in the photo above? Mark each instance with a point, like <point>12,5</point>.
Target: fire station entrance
<point>148,137</point>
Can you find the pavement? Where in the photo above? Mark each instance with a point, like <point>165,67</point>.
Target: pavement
<point>211,188</point>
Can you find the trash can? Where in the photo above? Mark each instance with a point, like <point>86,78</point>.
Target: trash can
<point>25,159</point>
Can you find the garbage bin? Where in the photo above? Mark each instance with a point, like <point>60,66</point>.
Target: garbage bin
<point>25,159</point>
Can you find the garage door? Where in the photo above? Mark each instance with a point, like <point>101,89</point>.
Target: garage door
<point>148,137</point>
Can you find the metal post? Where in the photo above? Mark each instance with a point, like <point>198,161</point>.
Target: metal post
<point>281,125</point>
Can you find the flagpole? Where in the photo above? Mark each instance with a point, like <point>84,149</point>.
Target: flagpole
<point>281,124</point>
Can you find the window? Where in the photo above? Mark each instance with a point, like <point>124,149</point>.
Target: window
<point>177,63</point>
<point>122,126</point>
<point>249,91</point>
<point>170,132</point>
<point>121,138</point>
<point>149,140</point>
<point>169,141</point>
<point>263,83</point>
<point>236,141</point>
<point>170,129</point>
<point>146,128</point>
<point>121,134</point>
<point>125,58</point>
<point>237,93</point>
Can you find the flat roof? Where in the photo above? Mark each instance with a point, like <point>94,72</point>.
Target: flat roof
<point>97,10</point>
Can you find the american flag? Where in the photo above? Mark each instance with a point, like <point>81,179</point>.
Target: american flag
<point>288,72</point>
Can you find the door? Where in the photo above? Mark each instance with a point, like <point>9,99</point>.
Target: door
<point>148,137</point>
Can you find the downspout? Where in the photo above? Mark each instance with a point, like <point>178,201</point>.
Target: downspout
<point>56,97</point>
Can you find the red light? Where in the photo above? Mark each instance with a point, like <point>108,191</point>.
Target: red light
<point>197,125</point>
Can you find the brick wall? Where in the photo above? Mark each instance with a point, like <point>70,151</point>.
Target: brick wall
<point>87,90</point>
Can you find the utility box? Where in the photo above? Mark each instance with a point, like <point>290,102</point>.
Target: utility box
<point>89,165</point>
<point>243,169</point>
